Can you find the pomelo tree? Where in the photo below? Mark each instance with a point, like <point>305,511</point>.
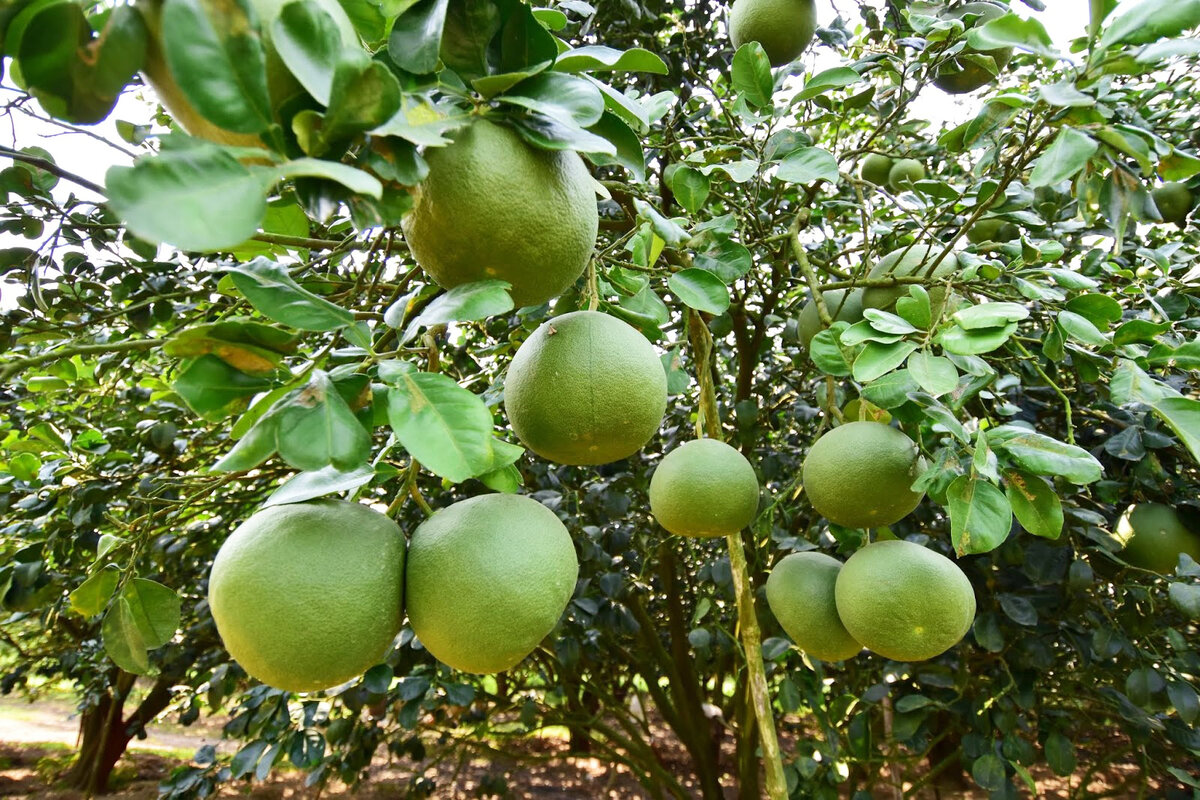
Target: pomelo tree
<point>237,319</point>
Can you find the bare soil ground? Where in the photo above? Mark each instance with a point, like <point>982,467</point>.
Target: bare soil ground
<point>36,740</point>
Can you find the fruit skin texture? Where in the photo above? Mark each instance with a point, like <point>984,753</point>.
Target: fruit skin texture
<point>493,206</point>
<point>1154,536</point>
<point>800,592</point>
<point>904,173</point>
<point>847,309</point>
<point>307,596</point>
<point>1174,201</point>
<point>488,579</point>
<point>965,76</point>
<point>704,488</point>
<point>875,168</point>
<point>903,601</point>
<point>908,261</point>
<point>585,388</point>
<point>991,229</point>
<point>858,475</point>
<point>784,28</point>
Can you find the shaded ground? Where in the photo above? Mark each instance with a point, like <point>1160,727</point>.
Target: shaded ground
<point>36,742</point>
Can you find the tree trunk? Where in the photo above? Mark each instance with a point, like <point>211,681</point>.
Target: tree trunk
<point>749,781</point>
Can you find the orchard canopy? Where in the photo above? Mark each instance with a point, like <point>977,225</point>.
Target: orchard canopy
<point>493,346</point>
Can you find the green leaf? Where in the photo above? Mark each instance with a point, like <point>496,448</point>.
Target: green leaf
<point>700,289</point>
<point>595,58</point>
<point>990,315</point>
<point>310,44</point>
<point>444,426</point>
<point>315,428</point>
<point>1139,330</point>
<point>1186,598</point>
<point>934,374</point>
<point>1034,503</point>
<point>1081,329</point>
<point>252,347</point>
<point>890,391</point>
<point>92,595</point>
<point>1182,415</point>
<point>751,75</point>
<point>319,483</point>
<point>807,165</point>
<point>273,292</point>
<point>1065,95</point>
<point>886,322</point>
<point>213,389</point>
<point>470,26</point>
<point>822,82</point>
<point>877,359</point>
<point>24,466</point>
<point>123,640</point>
<point>567,98</point>
<point>1069,153</point>
<point>256,446</point>
<point>464,303</point>
<point>620,135</point>
<point>416,37</point>
<point>916,307</point>
<point>1043,455</point>
<point>1099,309</point>
<point>155,610</point>
<point>353,179</point>
<point>549,133</point>
<point>727,259</point>
<point>980,516</point>
<point>364,95</point>
<point>972,343</point>
<point>691,187</point>
<point>1182,696</point>
<point>218,61</point>
<point>1012,31</point>
<point>1060,754</point>
<point>200,199</point>
<point>827,354</point>
<point>1149,21</point>
<point>244,760</point>
<point>506,479</point>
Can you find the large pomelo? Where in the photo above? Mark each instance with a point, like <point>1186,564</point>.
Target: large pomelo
<point>1154,536</point>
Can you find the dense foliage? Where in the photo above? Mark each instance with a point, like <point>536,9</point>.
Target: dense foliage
<point>240,325</point>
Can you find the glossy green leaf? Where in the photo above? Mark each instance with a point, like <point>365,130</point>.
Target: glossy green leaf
<point>566,98</point>
<point>700,289</point>
<point>445,427</point>
<point>1012,31</point>
<point>416,37</point>
<point>807,165</point>
<point>1060,754</point>
<point>980,516</point>
<point>464,303</point>
<point>971,343</point>
<point>628,146</point>
<point>1150,20</point>
<point>155,610</point>
<point>1182,415</point>
<point>691,188</point>
<point>751,74</point>
<point>877,359</point>
<point>990,315</point>
<point>935,374</point>
<point>596,58</point>
<point>214,389</point>
<point>830,79</point>
<point>1044,455</point>
<point>310,44</point>
<point>319,483</point>
<point>90,598</point>
<point>1034,503</point>
<point>123,640</point>
<point>316,428</point>
<point>1070,152</point>
<point>1081,329</point>
<point>273,292</point>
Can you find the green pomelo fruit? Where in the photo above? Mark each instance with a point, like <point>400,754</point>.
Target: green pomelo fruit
<point>488,578</point>
<point>858,475</point>
<point>704,488</point>
<point>990,229</point>
<point>913,261</point>
<point>963,75</point>
<point>783,27</point>
<point>876,168</point>
<point>800,592</point>
<point>904,173</point>
<point>585,388</point>
<point>307,596</point>
<point>281,84</point>
<point>841,306</point>
<point>1154,536</point>
<point>1174,201</point>
<point>494,206</point>
<point>903,601</point>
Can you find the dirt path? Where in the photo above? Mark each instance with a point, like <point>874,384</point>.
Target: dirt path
<point>22,722</point>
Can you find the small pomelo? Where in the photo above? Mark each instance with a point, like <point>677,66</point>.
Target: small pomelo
<point>875,168</point>
<point>488,578</point>
<point>783,27</point>
<point>495,206</point>
<point>800,591</point>
<point>1174,201</point>
<point>858,475</point>
<point>704,488</point>
<point>307,596</point>
<point>904,173</point>
<point>585,388</point>
<point>963,74</point>
<point>903,601</point>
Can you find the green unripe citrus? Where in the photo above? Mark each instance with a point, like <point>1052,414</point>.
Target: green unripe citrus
<point>991,229</point>
<point>1154,536</point>
<point>903,601</point>
<point>783,27</point>
<point>858,475</point>
<point>585,388</point>
<point>307,596</point>
<point>1174,201</point>
<point>904,173</point>
<point>962,75</point>
<point>841,306</point>
<point>494,206</point>
<point>704,488</point>
<point>800,592</point>
<point>876,168</point>
<point>916,260</point>
<point>488,579</point>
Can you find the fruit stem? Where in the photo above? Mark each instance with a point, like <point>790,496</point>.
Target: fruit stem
<point>709,422</point>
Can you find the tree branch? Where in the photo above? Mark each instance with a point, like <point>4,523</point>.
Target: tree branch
<point>52,168</point>
<point>21,364</point>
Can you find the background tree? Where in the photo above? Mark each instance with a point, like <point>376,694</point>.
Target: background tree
<point>1049,379</point>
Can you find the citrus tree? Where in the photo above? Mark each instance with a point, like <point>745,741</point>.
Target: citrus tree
<point>790,369</point>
